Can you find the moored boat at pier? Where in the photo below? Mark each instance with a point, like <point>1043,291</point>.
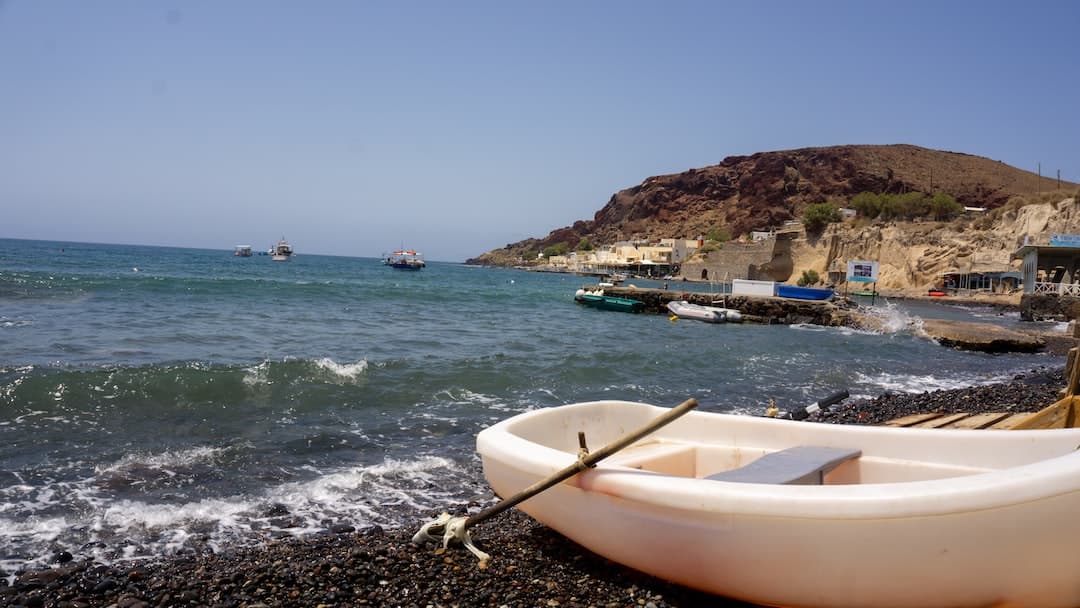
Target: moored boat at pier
<point>803,293</point>
<point>597,299</point>
<point>709,314</point>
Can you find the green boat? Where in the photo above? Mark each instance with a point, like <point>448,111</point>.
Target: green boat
<point>608,302</point>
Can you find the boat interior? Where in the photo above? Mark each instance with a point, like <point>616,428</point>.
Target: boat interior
<point>726,447</point>
<point>803,465</point>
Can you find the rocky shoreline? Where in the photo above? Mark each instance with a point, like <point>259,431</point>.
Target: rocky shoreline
<point>531,565</point>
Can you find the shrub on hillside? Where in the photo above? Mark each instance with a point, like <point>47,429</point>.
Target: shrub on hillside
<point>556,249</point>
<point>944,207</point>
<point>867,204</point>
<point>819,215</point>
<point>720,235</point>
<point>809,277</point>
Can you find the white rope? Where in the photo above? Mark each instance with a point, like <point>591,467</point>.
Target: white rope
<point>453,528</point>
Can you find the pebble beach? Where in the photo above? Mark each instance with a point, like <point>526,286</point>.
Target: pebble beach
<point>531,565</point>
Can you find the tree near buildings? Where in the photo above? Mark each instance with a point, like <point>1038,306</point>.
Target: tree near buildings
<point>819,215</point>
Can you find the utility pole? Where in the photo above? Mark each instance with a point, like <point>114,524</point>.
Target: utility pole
<point>1040,179</point>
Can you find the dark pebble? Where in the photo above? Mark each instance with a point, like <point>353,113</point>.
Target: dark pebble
<point>1025,393</point>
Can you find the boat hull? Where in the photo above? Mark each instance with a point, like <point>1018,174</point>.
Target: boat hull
<point>708,314</point>
<point>404,260</point>
<point>803,293</point>
<point>610,302</point>
<point>685,310</point>
<point>923,517</point>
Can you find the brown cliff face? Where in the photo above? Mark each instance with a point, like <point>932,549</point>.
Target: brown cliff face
<point>757,192</point>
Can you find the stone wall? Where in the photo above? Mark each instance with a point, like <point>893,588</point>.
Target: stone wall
<point>766,260</point>
<point>1044,307</point>
<point>766,310</point>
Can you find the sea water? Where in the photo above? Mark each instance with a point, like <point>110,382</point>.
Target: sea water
<point>160,400</point>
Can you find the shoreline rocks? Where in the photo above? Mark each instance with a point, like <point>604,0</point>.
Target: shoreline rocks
<point>982,337</point>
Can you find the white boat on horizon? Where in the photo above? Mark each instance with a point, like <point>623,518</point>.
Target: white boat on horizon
<point>281,252</point>
<point>242,251</point>
<point>404,259</point>
<point>790,513</point>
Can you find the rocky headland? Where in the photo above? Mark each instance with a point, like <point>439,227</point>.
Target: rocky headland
<point>763,191</point>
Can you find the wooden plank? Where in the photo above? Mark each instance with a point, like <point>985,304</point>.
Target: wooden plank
<point>978,421</point>
<point>1011,421</point>
<point>943,421</point>
<point>912,419</point>
<point>1056,416</point>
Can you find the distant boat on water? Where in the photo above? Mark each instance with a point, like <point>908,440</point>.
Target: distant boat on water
<point>404,259</point>
<point>242,251</point>
<point>281,252</point>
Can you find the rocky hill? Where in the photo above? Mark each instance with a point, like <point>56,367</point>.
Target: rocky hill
<point>761,191</point>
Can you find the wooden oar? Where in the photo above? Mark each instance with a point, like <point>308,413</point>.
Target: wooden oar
<point>446,527</point>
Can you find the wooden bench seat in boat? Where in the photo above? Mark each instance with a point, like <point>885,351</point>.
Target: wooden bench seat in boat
<point>804,464</point>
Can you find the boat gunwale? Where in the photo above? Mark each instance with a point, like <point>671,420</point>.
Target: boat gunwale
<point>996,488</point>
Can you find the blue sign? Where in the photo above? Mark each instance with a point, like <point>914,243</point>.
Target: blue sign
<point>1065,240</point>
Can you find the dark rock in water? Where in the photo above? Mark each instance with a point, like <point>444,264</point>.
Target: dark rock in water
<point>372,531</point>
<point>276,510</point>
<point>342,528</point>
<point>62,557</point>
<point>980,337</point>
<point>286,523</point>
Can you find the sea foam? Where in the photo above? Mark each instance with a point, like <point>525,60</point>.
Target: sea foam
<point>343,371</point>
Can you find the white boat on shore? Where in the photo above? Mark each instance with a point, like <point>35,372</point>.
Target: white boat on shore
<point>792,513</point>
<point>709,314</point>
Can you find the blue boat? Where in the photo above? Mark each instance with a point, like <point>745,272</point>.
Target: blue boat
<point>803,293</point>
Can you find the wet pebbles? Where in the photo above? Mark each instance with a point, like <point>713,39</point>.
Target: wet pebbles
<point>1027,392</point>
<point>531,565</point>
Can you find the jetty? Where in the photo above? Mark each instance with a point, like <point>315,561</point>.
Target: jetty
<point>754,309</point>
<point>962,335</point>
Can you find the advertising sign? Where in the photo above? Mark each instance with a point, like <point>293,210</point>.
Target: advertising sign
<point>1065,240</point>
<point>862,272</point>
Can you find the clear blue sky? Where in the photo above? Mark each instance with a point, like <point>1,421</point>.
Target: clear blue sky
<point>352,128</point>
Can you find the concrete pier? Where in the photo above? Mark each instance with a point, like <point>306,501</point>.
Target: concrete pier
<point>765,310</point>
<point>788,311</point>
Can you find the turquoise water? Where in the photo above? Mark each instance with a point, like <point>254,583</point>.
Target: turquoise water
<point>161,400</point>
